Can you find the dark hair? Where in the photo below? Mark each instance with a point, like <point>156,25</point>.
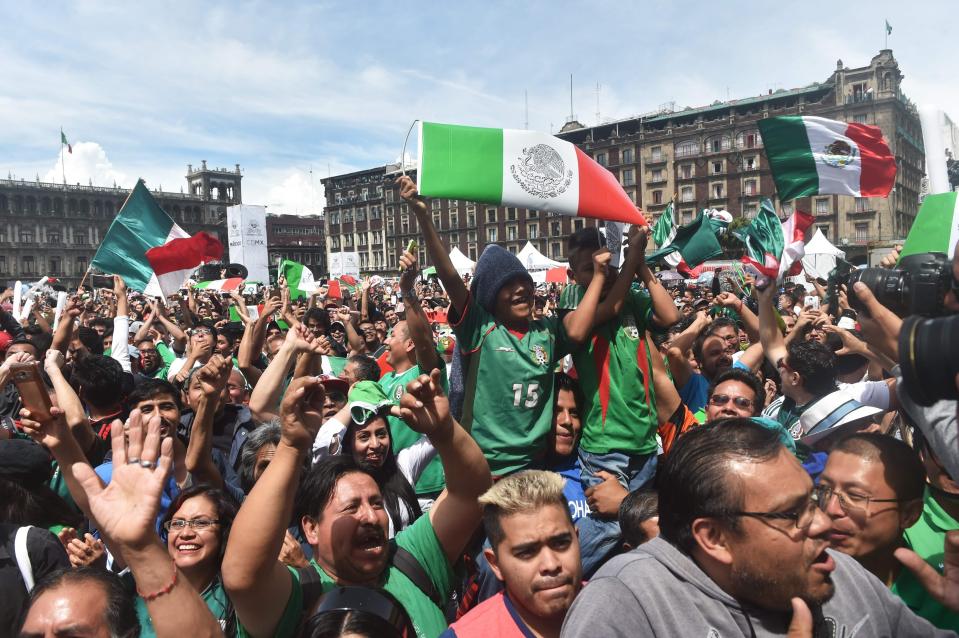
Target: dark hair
<point>38,505</point>
<point>102,321</point>
<point>366,367</point>
<point>121,613</point>
<point>719,323</point>
<point>695,480</point>
<point>41,342</point>
<point>394,487</point>
<point>335,623</point>
<point>563,381</point>
<point>152,388</point>
<point>585,238</point>
<point>638,507</point>
<point>904,471</point>
<point>700,341</point>
<point>316,488</point>
<point>320,316</point>
<point>845,363</point>
<point>815,363</point>
<point>24,341</point>
<point>748,379</point>
<point>100,379</point>
<point>263,435</point>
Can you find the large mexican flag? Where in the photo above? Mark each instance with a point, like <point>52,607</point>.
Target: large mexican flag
<point>149,250</point>
<point>812,155</point>
<point>936,228</point>
<point>519,168</point>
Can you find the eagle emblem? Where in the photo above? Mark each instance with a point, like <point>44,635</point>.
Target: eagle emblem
<point>839,154</point>
<point>539,354</point>
<point>630,328</point>
<point>541,171</point>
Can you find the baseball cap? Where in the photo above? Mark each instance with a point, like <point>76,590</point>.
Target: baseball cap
<point>334,384</point>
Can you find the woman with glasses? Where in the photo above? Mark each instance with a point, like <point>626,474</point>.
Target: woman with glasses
<point>196,529</point>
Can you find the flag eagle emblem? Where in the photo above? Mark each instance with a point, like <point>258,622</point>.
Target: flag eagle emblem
<point>541,172</point>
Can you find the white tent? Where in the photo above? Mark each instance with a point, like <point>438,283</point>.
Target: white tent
<point>534,260</point>
<point>821,255</point>
<point>461,262</point>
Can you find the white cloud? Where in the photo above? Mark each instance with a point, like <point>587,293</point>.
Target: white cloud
<point>295,194</point>
<point>88,163</point>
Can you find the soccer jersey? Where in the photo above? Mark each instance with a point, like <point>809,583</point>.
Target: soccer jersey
<point>615,373</point>
<point>394,385</point>
<point>508,402</point>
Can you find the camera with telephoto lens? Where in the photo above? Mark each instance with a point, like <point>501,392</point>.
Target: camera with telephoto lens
<point>917,287</point>
<point>929,358</point>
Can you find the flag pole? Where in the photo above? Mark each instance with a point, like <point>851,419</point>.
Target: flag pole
<point>82,280</point>
<point>63,167</point>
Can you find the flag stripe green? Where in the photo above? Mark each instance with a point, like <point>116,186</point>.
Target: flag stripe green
<point>790,157</point>
<point>461,162</point>
<point>935,227</point>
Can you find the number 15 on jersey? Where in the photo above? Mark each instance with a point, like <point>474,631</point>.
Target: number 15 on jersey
<point>531,395</point>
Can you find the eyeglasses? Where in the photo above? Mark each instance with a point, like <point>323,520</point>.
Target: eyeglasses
<point>201,331</point>
<point>802,517</point>
<point>198,524</point>
<point>722,399</point>
<point>150,351</point>
<point>850,503</point>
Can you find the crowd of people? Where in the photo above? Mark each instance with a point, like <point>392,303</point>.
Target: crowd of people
<point>473,457</point>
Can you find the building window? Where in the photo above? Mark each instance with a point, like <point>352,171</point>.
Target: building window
<point>860,118</point>
<point>628,156</point>
<point>862,231</point>
<point>629,177</point>
<point>747,139</point>
<point>26,236</point>
<point>532,231</point>
<point>686,194</point>
<point>557,249</point>
<point>717,191</point>
<point>822,206</point>
<point>687,149</point>
<point>657,175</point>
<point>686,171</point>
<point>657,197</point>
<point>491,235</point>
<point>511,233</point>
<point>3,264</point>
<point>749,187</point>
<point>656,154</point>
<point>532,214</point>
<point>601,159</point>
<point>687,216</point>
<point>862,204</point>
<point>718,144</point>
<point>81,264</point>
<point>715,168</point>
<point>29,265</point>
<point>435,204</point>
<point>512,249</point>
<point>471,251</point>
<point>437,221</point>
<point>490,215</point>
<point>79,237</point>
<point>389,196</point>
<point>578,224</point>
<point>750,210</point>
<point>750,163</point>
<point>825,230</point>
<point>471,235</point>
<point>511,214</point>
<point>455,239</point>
<point>454,219</point>
<point>556,229</point>
<point>404,225</point>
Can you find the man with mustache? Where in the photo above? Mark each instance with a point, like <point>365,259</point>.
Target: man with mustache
<point>342,515</point>
<point>743,551</point>
<point>535,552</point>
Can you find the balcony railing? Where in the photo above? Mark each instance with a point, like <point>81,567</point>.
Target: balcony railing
<point>859,98</point>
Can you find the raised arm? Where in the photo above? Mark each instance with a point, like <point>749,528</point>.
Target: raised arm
<point>176,332</point>
<point>69,402</point>
<point>454,285</point>
<point>774,347</point>
<point>345,316</point>
<point>416,322</point>
<point>749,318</point>
<point>120,351</point>
<point>456,513</point>
<point>257,583</point>
<point>578,324</point>
<point>265,399</point>
<point>64,332</point>
<point>211,380</point>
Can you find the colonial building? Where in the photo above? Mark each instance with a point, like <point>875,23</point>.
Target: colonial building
<point>707,157</point>
<point>55,229</point>
<point>300,238</point>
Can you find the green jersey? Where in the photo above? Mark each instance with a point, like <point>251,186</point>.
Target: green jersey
<point>615,370</point>
<point>508,377</point>
<point>927,538</point>
<point>418,539</point>
<point>432,479</point>
<point>214,596</point>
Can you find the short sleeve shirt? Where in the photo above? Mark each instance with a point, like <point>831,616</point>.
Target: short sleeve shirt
<point>508,402</point>
<point>420,540</point>
<point>615,374</point>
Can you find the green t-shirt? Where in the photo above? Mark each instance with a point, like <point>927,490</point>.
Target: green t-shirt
<point>927,538</point>
<point>615,374</point>
<point>214,596</point>
<point>432,479</point>
<point>418,539</point>
<point>508,379</point>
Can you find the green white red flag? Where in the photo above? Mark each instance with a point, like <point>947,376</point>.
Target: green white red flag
<point>776,248</point>
<point>813,155</point>
<point>519,168</point>
<point>222,285</point>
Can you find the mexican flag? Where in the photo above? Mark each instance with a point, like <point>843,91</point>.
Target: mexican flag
<point>812,155</point>
<point>694,243</point>
<point>64,142</point>
<point>776,248</point>
<point>519,168</point>
<point>663,234</point>
<point>298,278</point>
<point>936,228</point>
<point>222,285</point>
<point>145,247</point>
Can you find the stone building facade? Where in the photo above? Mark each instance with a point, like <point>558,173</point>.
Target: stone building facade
<point>55,229</point>
<point>707,157</point>
<point>300,238</point>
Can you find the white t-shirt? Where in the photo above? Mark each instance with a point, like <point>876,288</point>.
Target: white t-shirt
<point>871,393</point>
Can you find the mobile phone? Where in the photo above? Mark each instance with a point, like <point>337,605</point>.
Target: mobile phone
<point>32,389</point>
<point>811,301</point>
<point>411,247</point>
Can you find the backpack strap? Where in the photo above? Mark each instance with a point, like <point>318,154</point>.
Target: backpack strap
<point>23,556</point>
<point>412,569</point>
<point>311,586</point>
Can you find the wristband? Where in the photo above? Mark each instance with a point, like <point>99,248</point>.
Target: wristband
<point>161,592</point>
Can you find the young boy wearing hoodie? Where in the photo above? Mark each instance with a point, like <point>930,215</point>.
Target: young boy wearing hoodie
<point>508,358</point>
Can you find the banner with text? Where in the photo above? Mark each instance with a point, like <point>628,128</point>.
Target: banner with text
<point>246,228</point>
<point>344,263</point>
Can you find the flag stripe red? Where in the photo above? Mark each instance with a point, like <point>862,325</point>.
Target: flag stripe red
<point>184,253</point>
<point>601,196</point>
<point>601,361</point>
<point>878,164</point>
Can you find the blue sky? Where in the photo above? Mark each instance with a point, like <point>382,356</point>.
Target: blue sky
<point>280,87</point>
